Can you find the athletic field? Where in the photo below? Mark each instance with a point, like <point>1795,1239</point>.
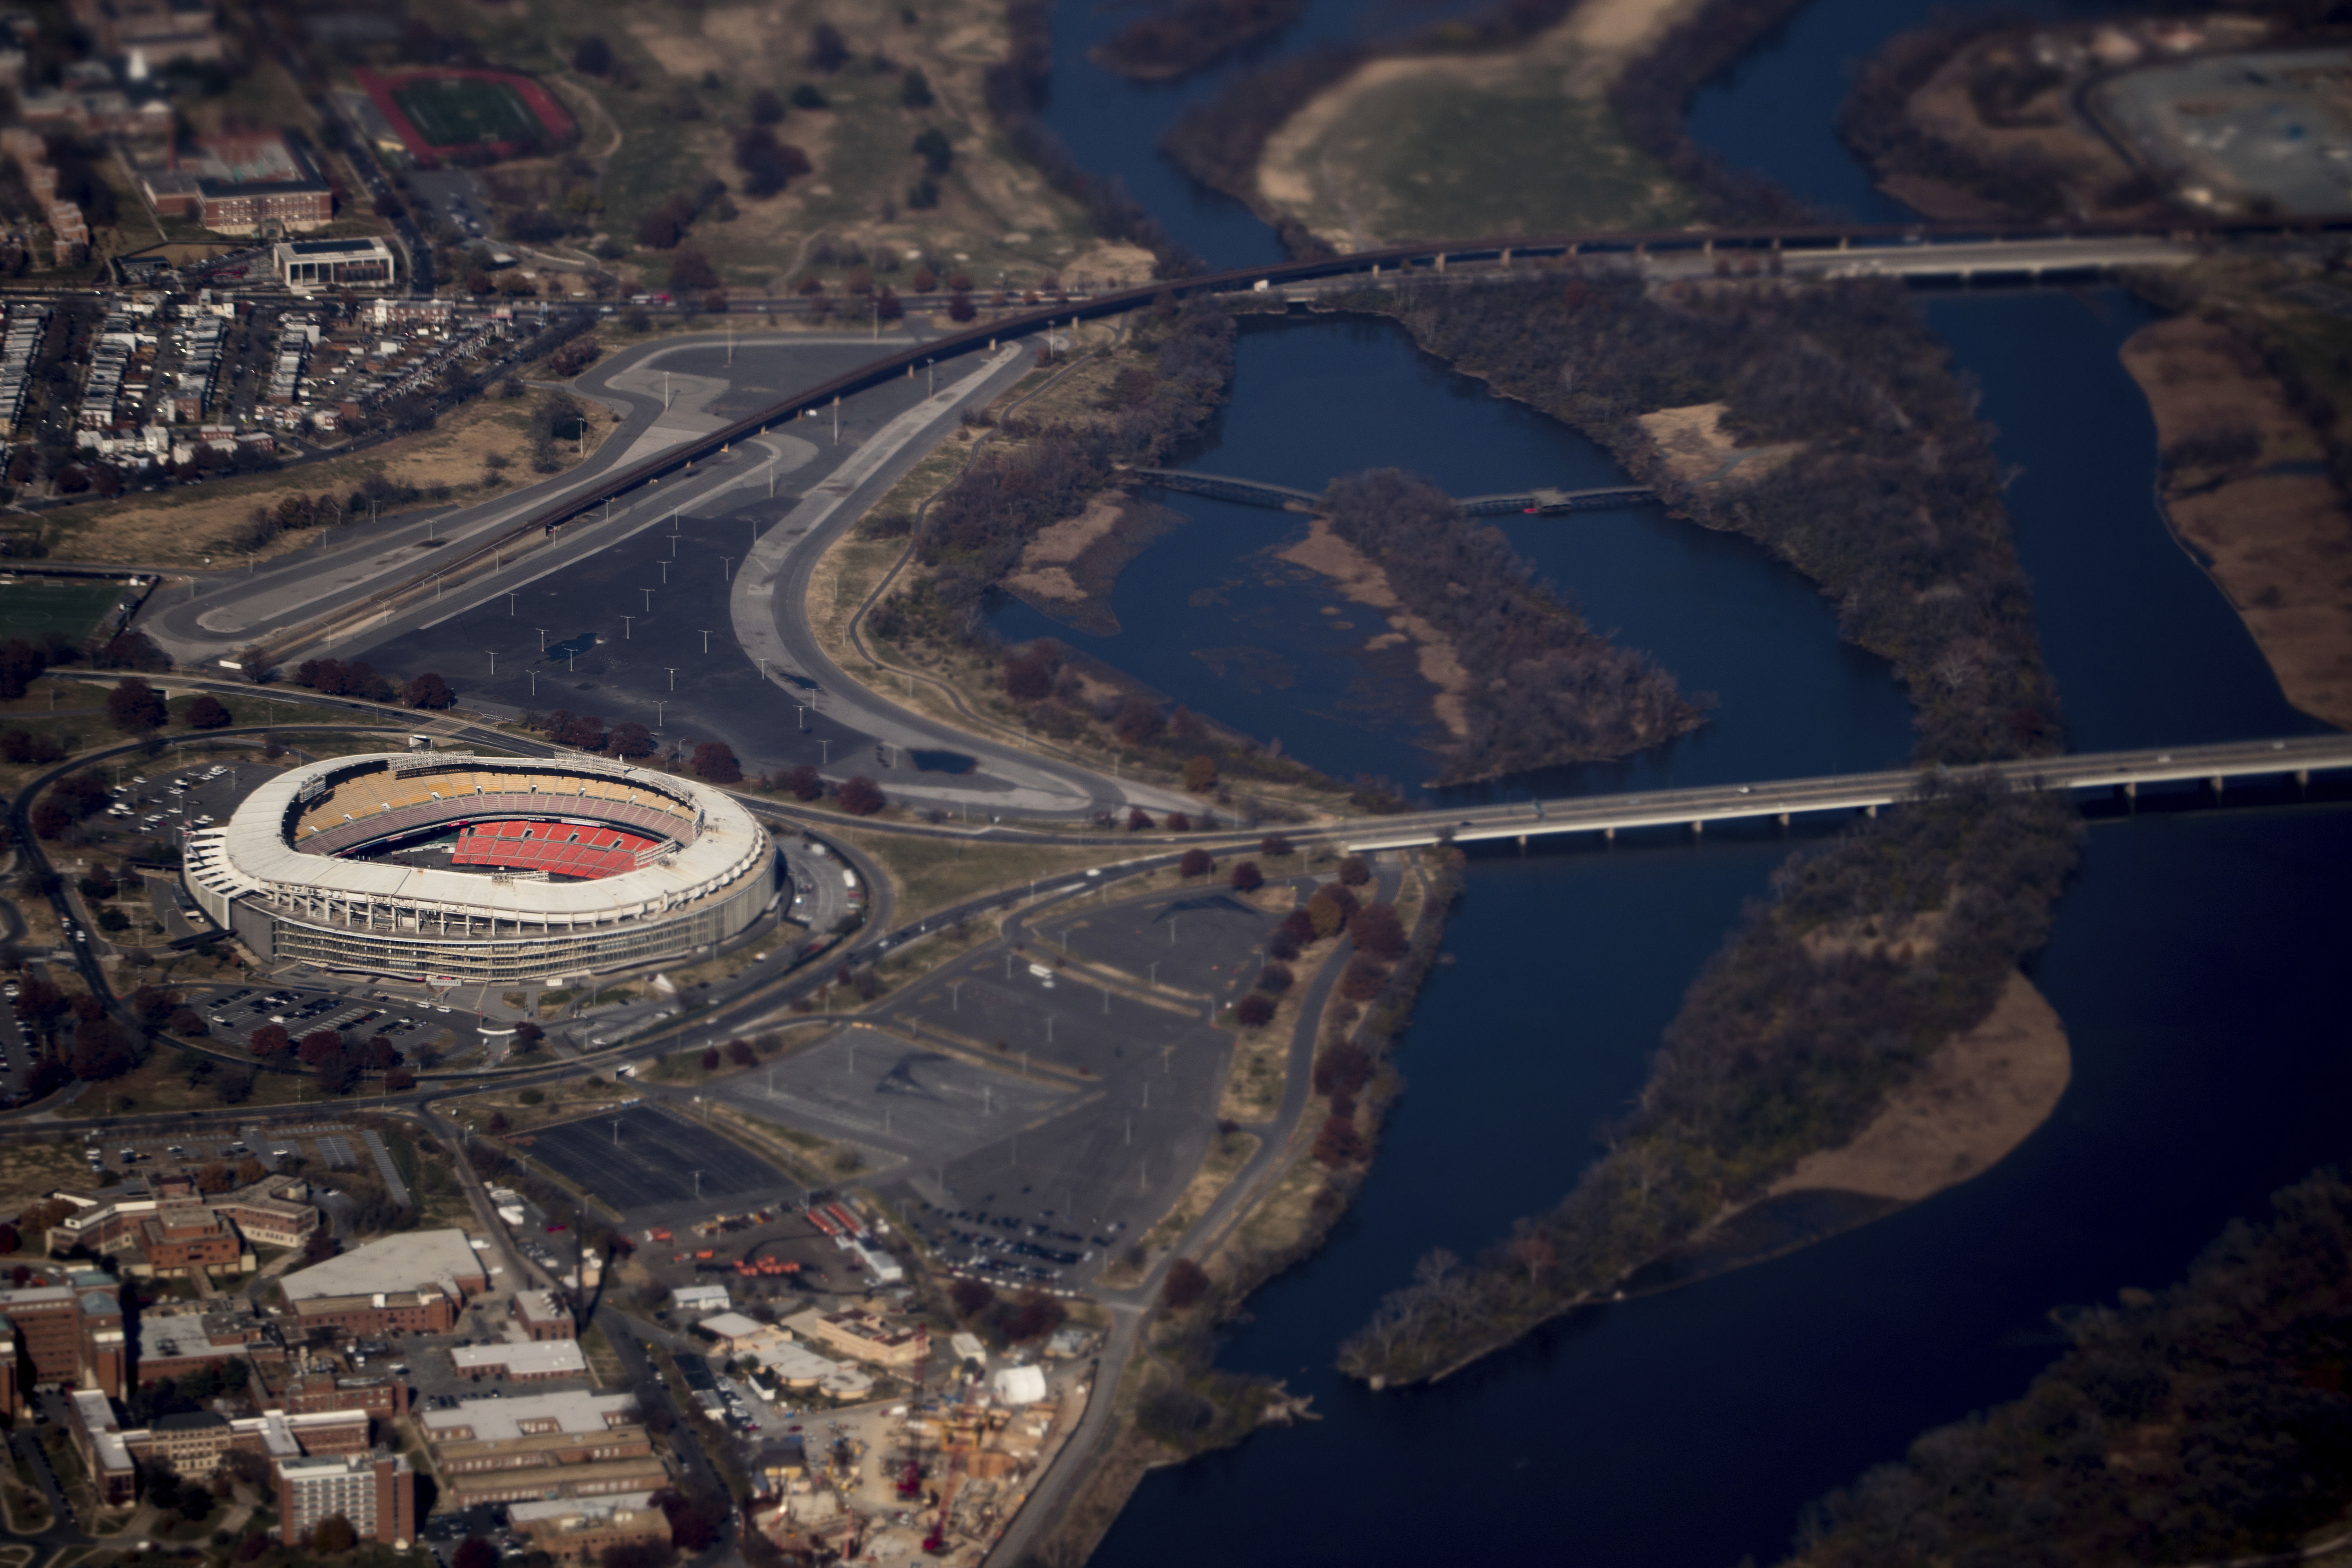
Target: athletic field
<point>72,609</point>
<point>465,111</point>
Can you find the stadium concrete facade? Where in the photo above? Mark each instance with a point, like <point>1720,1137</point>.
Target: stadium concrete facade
<point>417,865</point>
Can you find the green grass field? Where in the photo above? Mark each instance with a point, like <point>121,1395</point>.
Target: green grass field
<point>1428,159</point>
<point>459,112</point>
<point>70,608</point>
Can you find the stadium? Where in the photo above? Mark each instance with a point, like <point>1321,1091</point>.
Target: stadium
<point>419,866</point>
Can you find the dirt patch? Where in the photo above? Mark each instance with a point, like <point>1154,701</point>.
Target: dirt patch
<point>2045,126</point>
<point>1359,579</point>
<point>1979,1096</point>
<point>1069,568</point>
<point>1305,169</point>
<point>1697,449</point>
<point>2262,515</point>
<point>181,527</point>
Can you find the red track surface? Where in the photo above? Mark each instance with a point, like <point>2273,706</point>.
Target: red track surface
<point>562,847</point>
<point>552,118</point>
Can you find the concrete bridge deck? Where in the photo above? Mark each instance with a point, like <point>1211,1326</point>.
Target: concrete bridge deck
<point>2212,766</point>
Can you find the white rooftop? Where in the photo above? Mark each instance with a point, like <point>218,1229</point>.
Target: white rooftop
<point>1020,1385</point>
<point>578,1507</point>
<point>411,1260</point>
<point>96,1413</point>
<point>732,1326</point>
<point>796,1363</point>
<point>495,1420</point>
<point>525,1358</point>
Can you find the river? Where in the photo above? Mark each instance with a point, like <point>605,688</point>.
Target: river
<point>2189,961</point>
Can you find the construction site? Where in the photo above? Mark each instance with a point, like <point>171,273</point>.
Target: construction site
<point>935,1477</point>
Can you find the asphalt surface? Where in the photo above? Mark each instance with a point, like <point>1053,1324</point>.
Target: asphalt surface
<point>678,608</point>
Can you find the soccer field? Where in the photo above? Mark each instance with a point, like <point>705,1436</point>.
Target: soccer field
<point>462,111</point>
<point>72,609</point>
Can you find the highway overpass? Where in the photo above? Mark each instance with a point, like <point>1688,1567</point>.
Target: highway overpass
<point>2213,767</point>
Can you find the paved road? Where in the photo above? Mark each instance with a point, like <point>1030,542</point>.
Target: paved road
<point>2297,756</point>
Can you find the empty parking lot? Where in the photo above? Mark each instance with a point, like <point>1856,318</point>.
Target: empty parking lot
<point>642,1158</point>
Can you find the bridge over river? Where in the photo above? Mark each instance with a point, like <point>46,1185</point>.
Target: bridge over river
<point>1256,492</point>
<point>2212,768</point>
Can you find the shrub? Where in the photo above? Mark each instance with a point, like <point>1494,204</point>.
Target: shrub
<point>861,796</point>
<point>1338,1142</point>
<point>1255,1011</point>
<point>1276,978</point>
<point>714,763</point>
<point>1362,979</point>
<point>1195,863</point>
<point>1201,775</point>
<point>207,713</point>
<point>1354,872</point>
<point>1186,1283</point>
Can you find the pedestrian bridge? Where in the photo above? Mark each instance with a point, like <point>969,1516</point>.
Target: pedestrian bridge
<point>2212,768</point>
<point>1542,500</point>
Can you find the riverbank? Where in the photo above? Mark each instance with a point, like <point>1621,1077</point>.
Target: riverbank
<point>1966,119</point>
<point>1878,952</point>
<point>2128,1450</point>
<point>1192,35</point>
<point>1173,1404</point>
<point>1422,136</point>
<point>1978,1097</point>
<point>1877,480</point>
<point>2246,488</point>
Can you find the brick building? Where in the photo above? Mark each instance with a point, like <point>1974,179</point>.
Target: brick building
<point>161,31</point>
<point>376,1492</point>
<point>177,1233</point>
<point>194,1444</point>
<point>384,1397</point>
<point>542,1317</point>
<point>412,1282</point>
<point>242,185</point>
<point>578,1530</point>
<point>542,1446</point>
<point>69,1333</point>
<point>527,1361</point>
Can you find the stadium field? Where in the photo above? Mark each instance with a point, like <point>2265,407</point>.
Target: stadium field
<point>465,111</point>
<point>70,609</point>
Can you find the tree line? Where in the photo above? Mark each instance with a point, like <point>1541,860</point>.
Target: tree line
<point>1219,142</point>
<point>1876,122</point>
<point>2210,1421</point>
<point>1189,34</point>
<point>1544,688</point>
<point>1783,1046</point>
<point>1015,90</point>
<point>1892,503</point>
<point>973,535</point>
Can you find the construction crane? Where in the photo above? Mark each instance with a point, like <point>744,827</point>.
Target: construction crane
<point>911,1480</point>
<point>935,1544</point>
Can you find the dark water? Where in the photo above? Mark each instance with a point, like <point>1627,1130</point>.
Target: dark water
<point>1113,126</point>
<point>2146,650</point>
<point>2189,961</point>
<point>1775,109</point>
<point>1689,1428</point>
<point>1208,618</point>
